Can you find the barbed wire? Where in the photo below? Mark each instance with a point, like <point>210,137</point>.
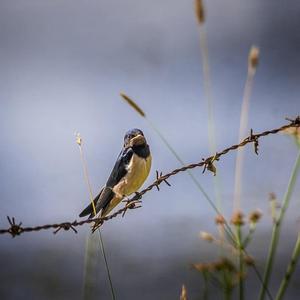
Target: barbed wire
<point>134,202</point>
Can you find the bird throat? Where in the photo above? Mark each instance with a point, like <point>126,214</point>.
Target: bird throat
<point>142,151</point>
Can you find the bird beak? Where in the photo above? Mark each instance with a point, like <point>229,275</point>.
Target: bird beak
<point>137,140</point>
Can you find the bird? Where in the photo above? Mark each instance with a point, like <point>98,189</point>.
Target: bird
<point>127,176</point>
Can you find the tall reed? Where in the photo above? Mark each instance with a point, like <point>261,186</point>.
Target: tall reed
<point>253,59</point>
<point>201,17</point>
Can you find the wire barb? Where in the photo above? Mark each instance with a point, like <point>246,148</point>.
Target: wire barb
<point>253,138</point>
<point>209,164</point>
<point>17,229</point>
<point>66,226</point>
<point>131,204</point>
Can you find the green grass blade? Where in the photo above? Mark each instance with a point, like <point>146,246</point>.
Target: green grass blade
<point>277,227</point>
<point>290,270</point>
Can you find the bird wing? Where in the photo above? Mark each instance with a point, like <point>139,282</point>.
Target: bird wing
<point>120,167</point>
<point>118,172</point>
<point>106,194</point>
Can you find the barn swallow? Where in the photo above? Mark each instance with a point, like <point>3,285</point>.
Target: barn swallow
<point>128,175</point>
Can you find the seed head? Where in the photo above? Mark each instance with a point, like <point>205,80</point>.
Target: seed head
<point>255,216</point>
<point>78,139</point>
<point>237,218</point>
<point>253,58</point>
<point>199,10</point>
<point>201,267</point>
<point>183,295</point>
<point>220,220</point>
<point>133,104</point>
<point>206,236</point>
<point>249,260</point>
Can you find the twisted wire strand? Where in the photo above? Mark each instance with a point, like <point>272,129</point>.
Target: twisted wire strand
<point>15,229</point>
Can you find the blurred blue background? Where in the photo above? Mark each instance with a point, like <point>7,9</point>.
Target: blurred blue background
<point>63,64</point>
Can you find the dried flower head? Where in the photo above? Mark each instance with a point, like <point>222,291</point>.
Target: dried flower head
<point>228,264</point>
<point>199,10</point>
<point>206,236</point>
<point>78,139</point>
<point>218,265</point>
<point>220,220</point>
<point>201,267</point>
<point>253,58</point>
<point>255,216</point>
<point>249,260</point>
<point>133,104</point>
<point>224,264</point>
<point>183,295</point>
<point>237,218</point>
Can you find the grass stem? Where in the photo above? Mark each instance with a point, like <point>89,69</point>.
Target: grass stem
<point>277,227</point>
<point>86,177</point>
<point>290,270</point>
<point>210,106</point>
<point>241,261</point>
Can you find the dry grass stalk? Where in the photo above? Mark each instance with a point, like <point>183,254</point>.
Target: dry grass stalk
<point>86,178</point>
<point>200,14</point>
<point>133,104</point>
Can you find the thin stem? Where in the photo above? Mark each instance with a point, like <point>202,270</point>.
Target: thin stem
<point>86,176</point>
<point>205,289</point>
<point>249,236</point>
<point>241,263</point>
<point>210,106</point>
<point>242,132</point>
<point>227,287</point>
<point>112,291</point>
<point>228,293</point>
<point>290,270</point>
<point>277,227</point>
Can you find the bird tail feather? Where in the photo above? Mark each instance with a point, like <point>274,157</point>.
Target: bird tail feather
<point>89,209</point>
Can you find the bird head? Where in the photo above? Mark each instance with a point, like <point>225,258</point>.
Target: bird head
<point>134,137</point>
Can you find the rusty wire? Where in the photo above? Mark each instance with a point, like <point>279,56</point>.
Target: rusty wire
<point>15,229</point>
